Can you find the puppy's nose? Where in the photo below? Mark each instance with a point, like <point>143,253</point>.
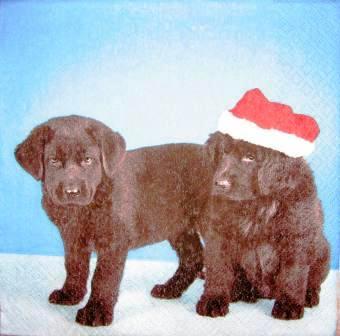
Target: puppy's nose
<point>223,183</point>
<point>72,191</point>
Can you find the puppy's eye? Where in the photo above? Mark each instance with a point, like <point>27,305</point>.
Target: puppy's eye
<point>248,158</point>
<point>87,161</point>
<point>54,162</point>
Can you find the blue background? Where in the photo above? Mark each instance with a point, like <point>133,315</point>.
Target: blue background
<point>159,72</point>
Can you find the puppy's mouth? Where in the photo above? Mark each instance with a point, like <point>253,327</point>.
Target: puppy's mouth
<point>231,191</point>
<point>72,197</point>
<point>81,201</point>
<point>224,185</point>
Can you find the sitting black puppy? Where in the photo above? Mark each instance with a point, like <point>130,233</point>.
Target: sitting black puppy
<point>264,222</point>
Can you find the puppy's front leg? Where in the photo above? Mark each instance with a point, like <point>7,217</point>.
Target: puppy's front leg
<point>219,279</point>
<point>105,286</point>
<point>77,260</point>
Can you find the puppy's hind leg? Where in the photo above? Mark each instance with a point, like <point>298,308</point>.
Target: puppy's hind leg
<point>190,253</point>
<point>290,290</point>
<point>317,274</point>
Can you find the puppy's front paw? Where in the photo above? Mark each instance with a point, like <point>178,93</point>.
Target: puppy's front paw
<point>95,314</point>
<point>286,310</point>
<point>165,292</point>
<point>212,306</point>
<point>312,297</point>
<point>67,298</point>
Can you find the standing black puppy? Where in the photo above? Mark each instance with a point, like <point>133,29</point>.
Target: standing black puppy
<point>263,233</point>
<point>107,200</point>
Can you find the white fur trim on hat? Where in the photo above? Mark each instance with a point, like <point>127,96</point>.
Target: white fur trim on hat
<point>246,130</point>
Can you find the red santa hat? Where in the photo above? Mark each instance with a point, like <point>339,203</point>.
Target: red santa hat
<point>257,120</point>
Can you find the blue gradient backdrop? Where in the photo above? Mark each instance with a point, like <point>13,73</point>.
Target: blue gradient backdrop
<point>159,72</point>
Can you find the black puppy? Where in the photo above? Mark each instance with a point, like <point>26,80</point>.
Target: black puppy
<point>263,230</point>
<point>107,200</point>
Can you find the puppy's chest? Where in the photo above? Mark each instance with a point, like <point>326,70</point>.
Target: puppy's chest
<point>91,223</point>
<point>255,224</point>
<point>99,221</point>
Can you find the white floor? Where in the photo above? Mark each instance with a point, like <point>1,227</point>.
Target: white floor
<point>26,281</point>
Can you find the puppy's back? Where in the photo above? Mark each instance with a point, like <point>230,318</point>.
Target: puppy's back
<point>167,185</point>
<point>183,166</point>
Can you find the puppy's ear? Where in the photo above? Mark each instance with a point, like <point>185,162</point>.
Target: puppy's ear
<point>30,153</point>
<point>112,145</point>
<point>217,144</point>
<point>113,151</point>
<point>285,176</point>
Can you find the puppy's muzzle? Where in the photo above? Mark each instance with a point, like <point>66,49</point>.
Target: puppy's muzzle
<point>225,184</point>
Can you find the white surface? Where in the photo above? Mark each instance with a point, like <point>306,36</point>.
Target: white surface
<point>26,281</point>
